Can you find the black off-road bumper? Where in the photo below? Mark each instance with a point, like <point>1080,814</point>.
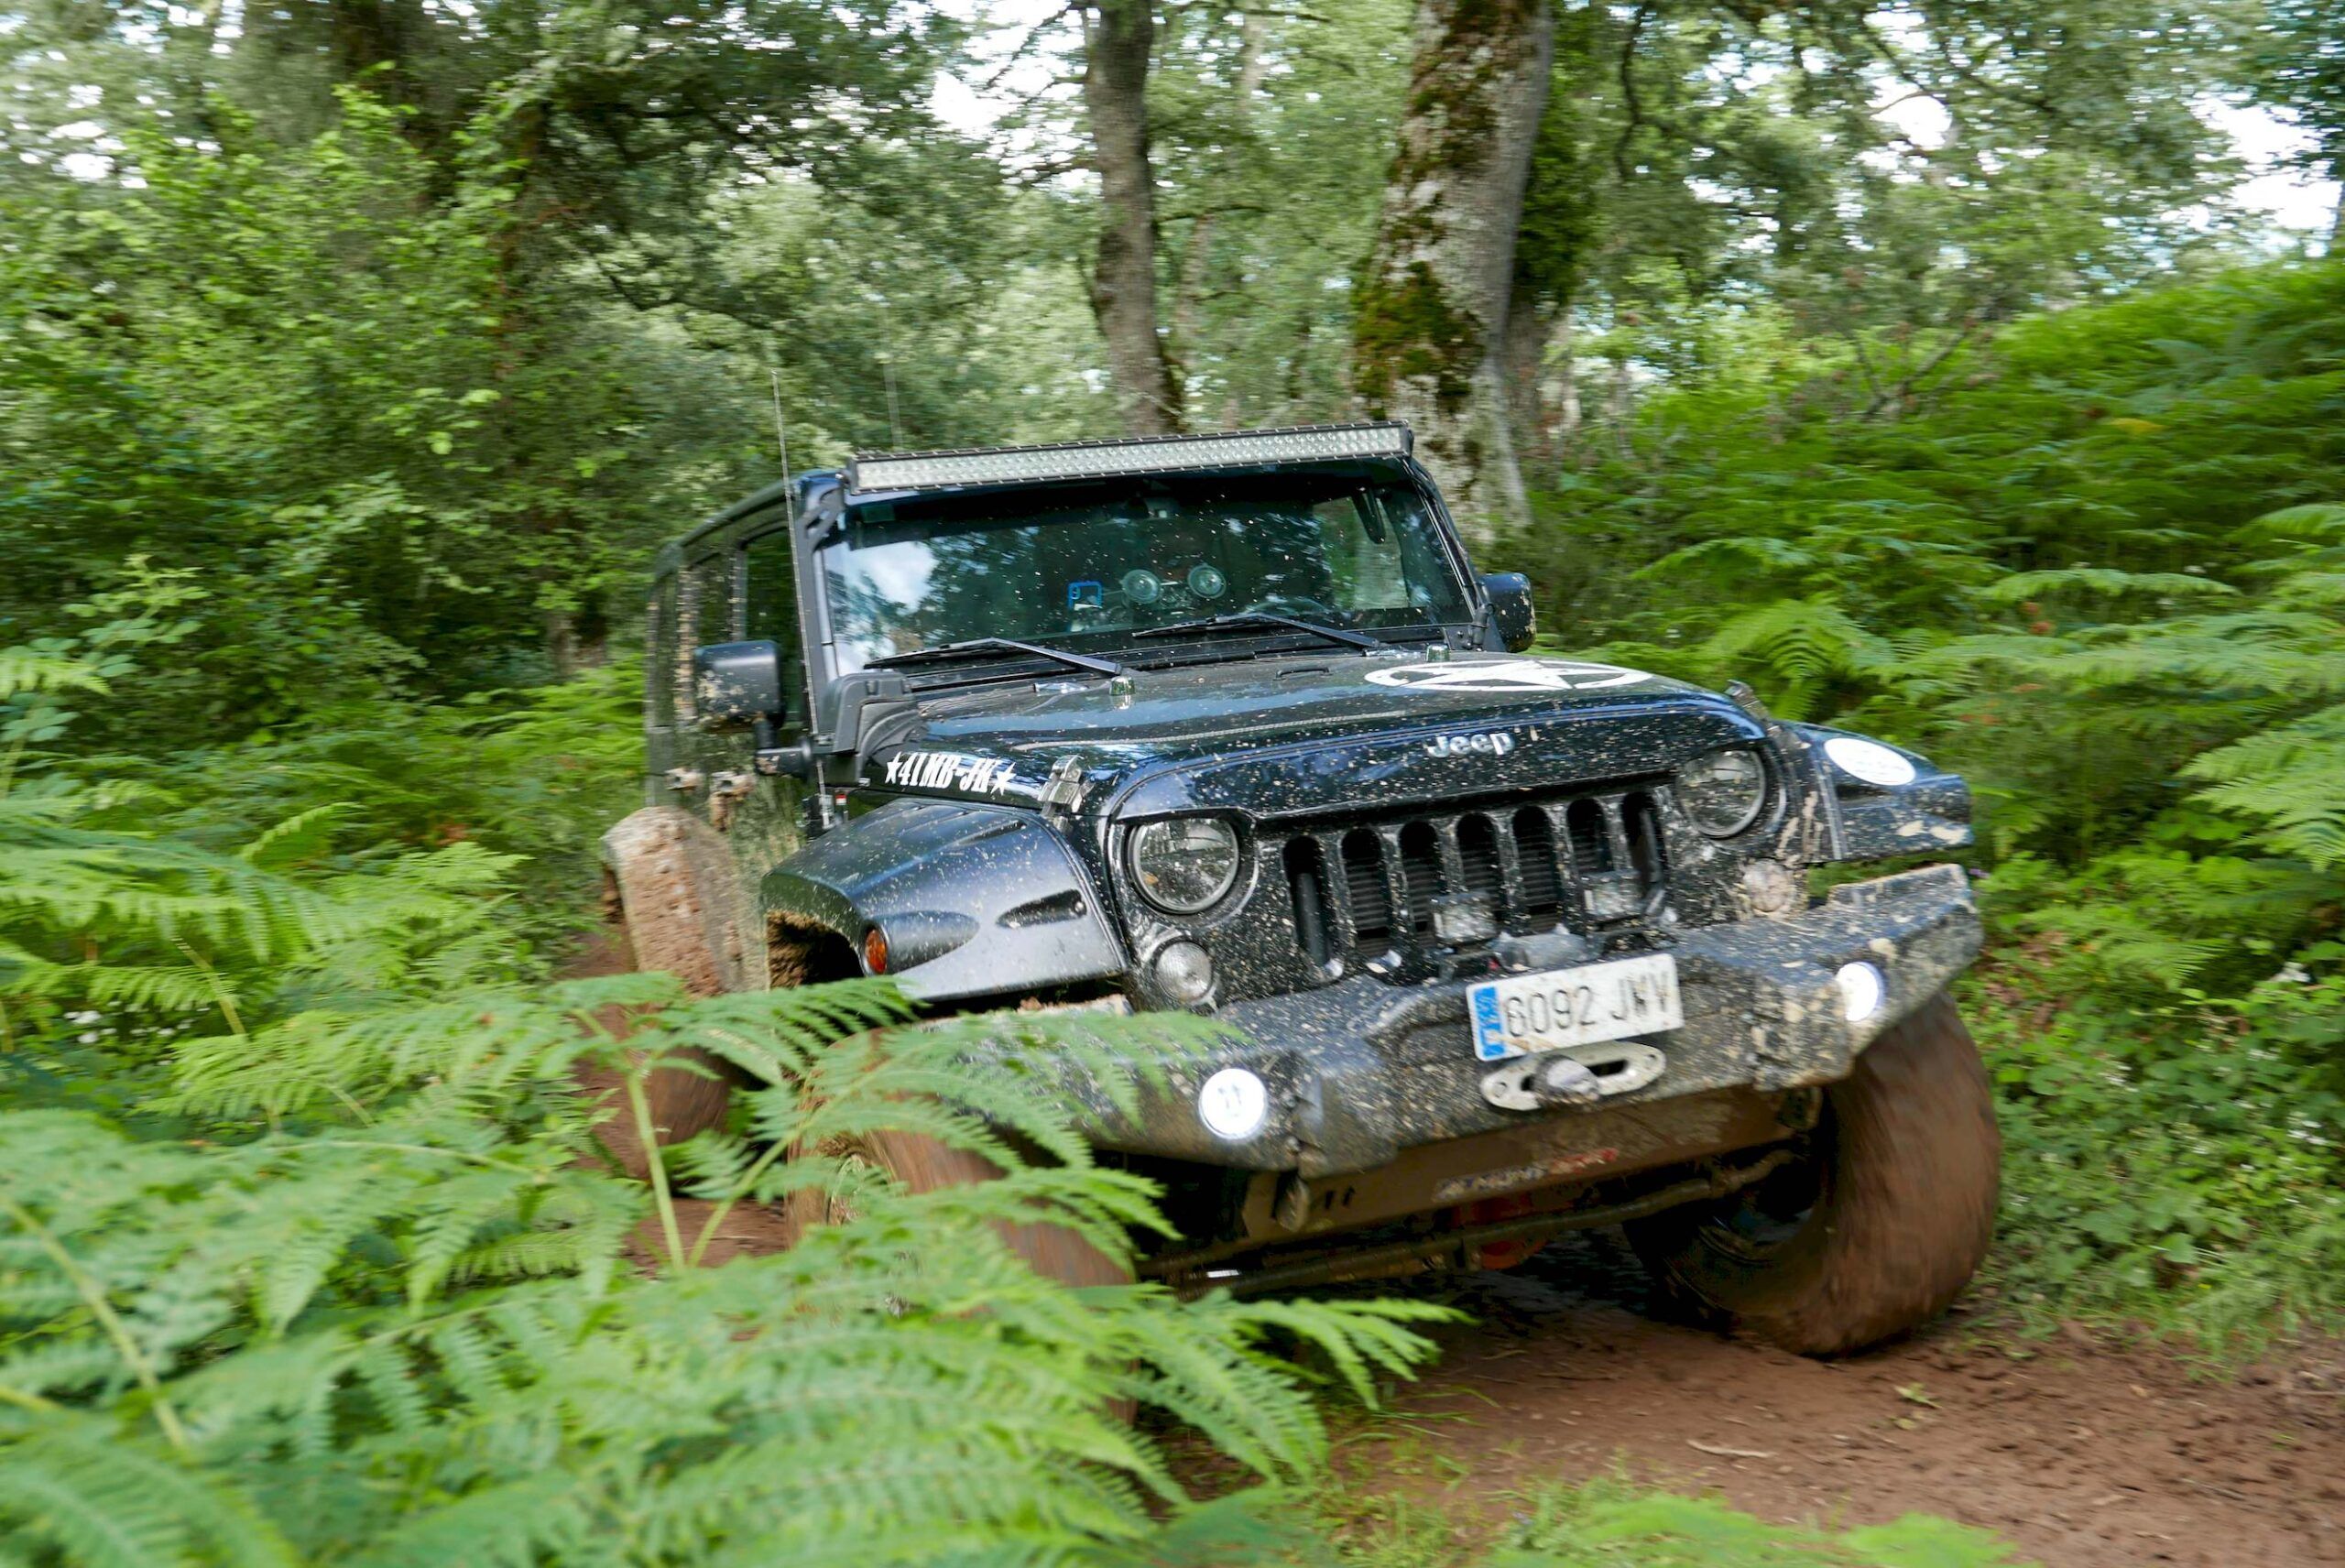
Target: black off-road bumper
<point>1359,1071</point>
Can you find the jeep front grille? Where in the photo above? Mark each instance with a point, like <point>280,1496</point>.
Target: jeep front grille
<point>1587,861</point>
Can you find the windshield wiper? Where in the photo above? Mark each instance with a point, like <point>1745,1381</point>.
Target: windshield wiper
<point>1244,618</point>
<point>976,647</point>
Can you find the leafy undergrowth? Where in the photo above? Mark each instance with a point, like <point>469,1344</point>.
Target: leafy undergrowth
<point>308,1254</point>
<point>2172,1164</point>
<point>1609,1524</point>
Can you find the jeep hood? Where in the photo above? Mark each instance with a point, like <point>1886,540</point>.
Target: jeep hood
<point>1303,733</point>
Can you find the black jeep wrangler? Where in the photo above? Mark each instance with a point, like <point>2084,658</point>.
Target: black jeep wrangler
<point>1514,944</point>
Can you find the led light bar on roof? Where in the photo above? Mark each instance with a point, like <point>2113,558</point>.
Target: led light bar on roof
<point>1140,455</point>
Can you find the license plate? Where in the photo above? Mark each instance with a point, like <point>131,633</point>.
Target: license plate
<point>1524,1013</point>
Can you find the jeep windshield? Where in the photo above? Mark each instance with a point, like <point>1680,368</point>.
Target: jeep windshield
<point>1094,566</point>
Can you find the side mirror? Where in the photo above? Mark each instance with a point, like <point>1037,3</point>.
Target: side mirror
<point>1509,594</point>
<point>736,683</point>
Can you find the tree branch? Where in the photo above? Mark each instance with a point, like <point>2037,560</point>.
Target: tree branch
<point>1026,44</point>
<point>1630,100</point>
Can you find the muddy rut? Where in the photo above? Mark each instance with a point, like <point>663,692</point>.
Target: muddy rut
<point>2083,1454</point>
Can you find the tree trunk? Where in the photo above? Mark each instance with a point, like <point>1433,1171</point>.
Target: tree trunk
<point>1118,37</point>
<point>1566,384</point>
<point>1524,350</point>
<point>1430,324</point>
<point>560,641</point>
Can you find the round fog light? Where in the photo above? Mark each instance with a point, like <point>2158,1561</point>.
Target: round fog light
<point>1233,1103</point>
<point>1184,972</point>
<point>1862,990</point>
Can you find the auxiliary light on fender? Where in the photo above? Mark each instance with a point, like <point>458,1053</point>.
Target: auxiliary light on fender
<point>1869,760</point>
<point>1862,990</point>
<point>1233,1104</point>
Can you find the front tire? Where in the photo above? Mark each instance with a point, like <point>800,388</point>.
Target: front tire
<point>1877,1226</point>
<point>683,1103</point>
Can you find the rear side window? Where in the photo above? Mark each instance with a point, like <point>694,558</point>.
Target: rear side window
<point>770,605</point>
<point>707,617</point>
<point>661,639</point>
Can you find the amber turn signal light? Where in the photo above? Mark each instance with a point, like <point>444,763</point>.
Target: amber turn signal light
<point>875,952</point>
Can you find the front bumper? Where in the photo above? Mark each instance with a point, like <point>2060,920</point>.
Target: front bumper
<point>1361,1071</point>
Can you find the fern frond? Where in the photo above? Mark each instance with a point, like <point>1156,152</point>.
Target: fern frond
<point>2102,580</point>
<point>24,670</point>
<point>77,1484</point>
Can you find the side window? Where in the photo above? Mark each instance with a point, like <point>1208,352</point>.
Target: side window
<point>770,607</point>
<point>707,618</point>
<point>659,639</point>
<point>712,583</point>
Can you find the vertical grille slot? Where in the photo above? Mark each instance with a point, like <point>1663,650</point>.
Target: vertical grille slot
<point>1364,889</point>
<point>1591,838</point>
<point>1421,873</point>
<point>1535,851</point>
<point>1640,814</point>
<point>1477,856</point>
<point>1306,880</point>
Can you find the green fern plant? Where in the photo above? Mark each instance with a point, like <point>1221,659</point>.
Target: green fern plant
<point>327,1265</point>
<point>431,1285</point>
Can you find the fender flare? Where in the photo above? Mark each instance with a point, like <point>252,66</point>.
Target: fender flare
<point>973,900</point>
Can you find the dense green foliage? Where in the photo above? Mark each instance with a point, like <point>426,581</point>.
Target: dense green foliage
<point>353,357</point>
<point>2097,568</point>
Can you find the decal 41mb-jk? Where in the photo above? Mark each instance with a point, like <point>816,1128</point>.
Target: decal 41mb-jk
<point>950,771</point>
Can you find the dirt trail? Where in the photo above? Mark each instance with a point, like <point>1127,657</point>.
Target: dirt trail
<point>2085,1455</point>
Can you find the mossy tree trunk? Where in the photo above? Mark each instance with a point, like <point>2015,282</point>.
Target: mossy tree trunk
<point>1118,36</point>
<point>1430,315</point>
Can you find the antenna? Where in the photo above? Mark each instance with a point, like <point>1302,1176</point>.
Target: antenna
<point>781,428</point>
<point>888,370</point>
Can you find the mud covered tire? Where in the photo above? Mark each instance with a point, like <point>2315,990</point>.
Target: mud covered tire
<point>918,1163</point>
<point>683,1104</point>
<point>1879,1227</point>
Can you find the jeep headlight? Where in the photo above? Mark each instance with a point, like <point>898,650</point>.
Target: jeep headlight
<point>1185,864</point>
<point>1723,792</point>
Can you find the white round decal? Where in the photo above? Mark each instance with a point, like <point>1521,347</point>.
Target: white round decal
<point>1524,675</point>
<point>1869,760</point>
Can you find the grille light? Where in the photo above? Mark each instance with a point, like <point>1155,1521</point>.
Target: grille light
<point>1143,454</point>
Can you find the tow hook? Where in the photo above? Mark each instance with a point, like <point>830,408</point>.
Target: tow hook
<point>1536,1083</point>
<point>1574,1076</point>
